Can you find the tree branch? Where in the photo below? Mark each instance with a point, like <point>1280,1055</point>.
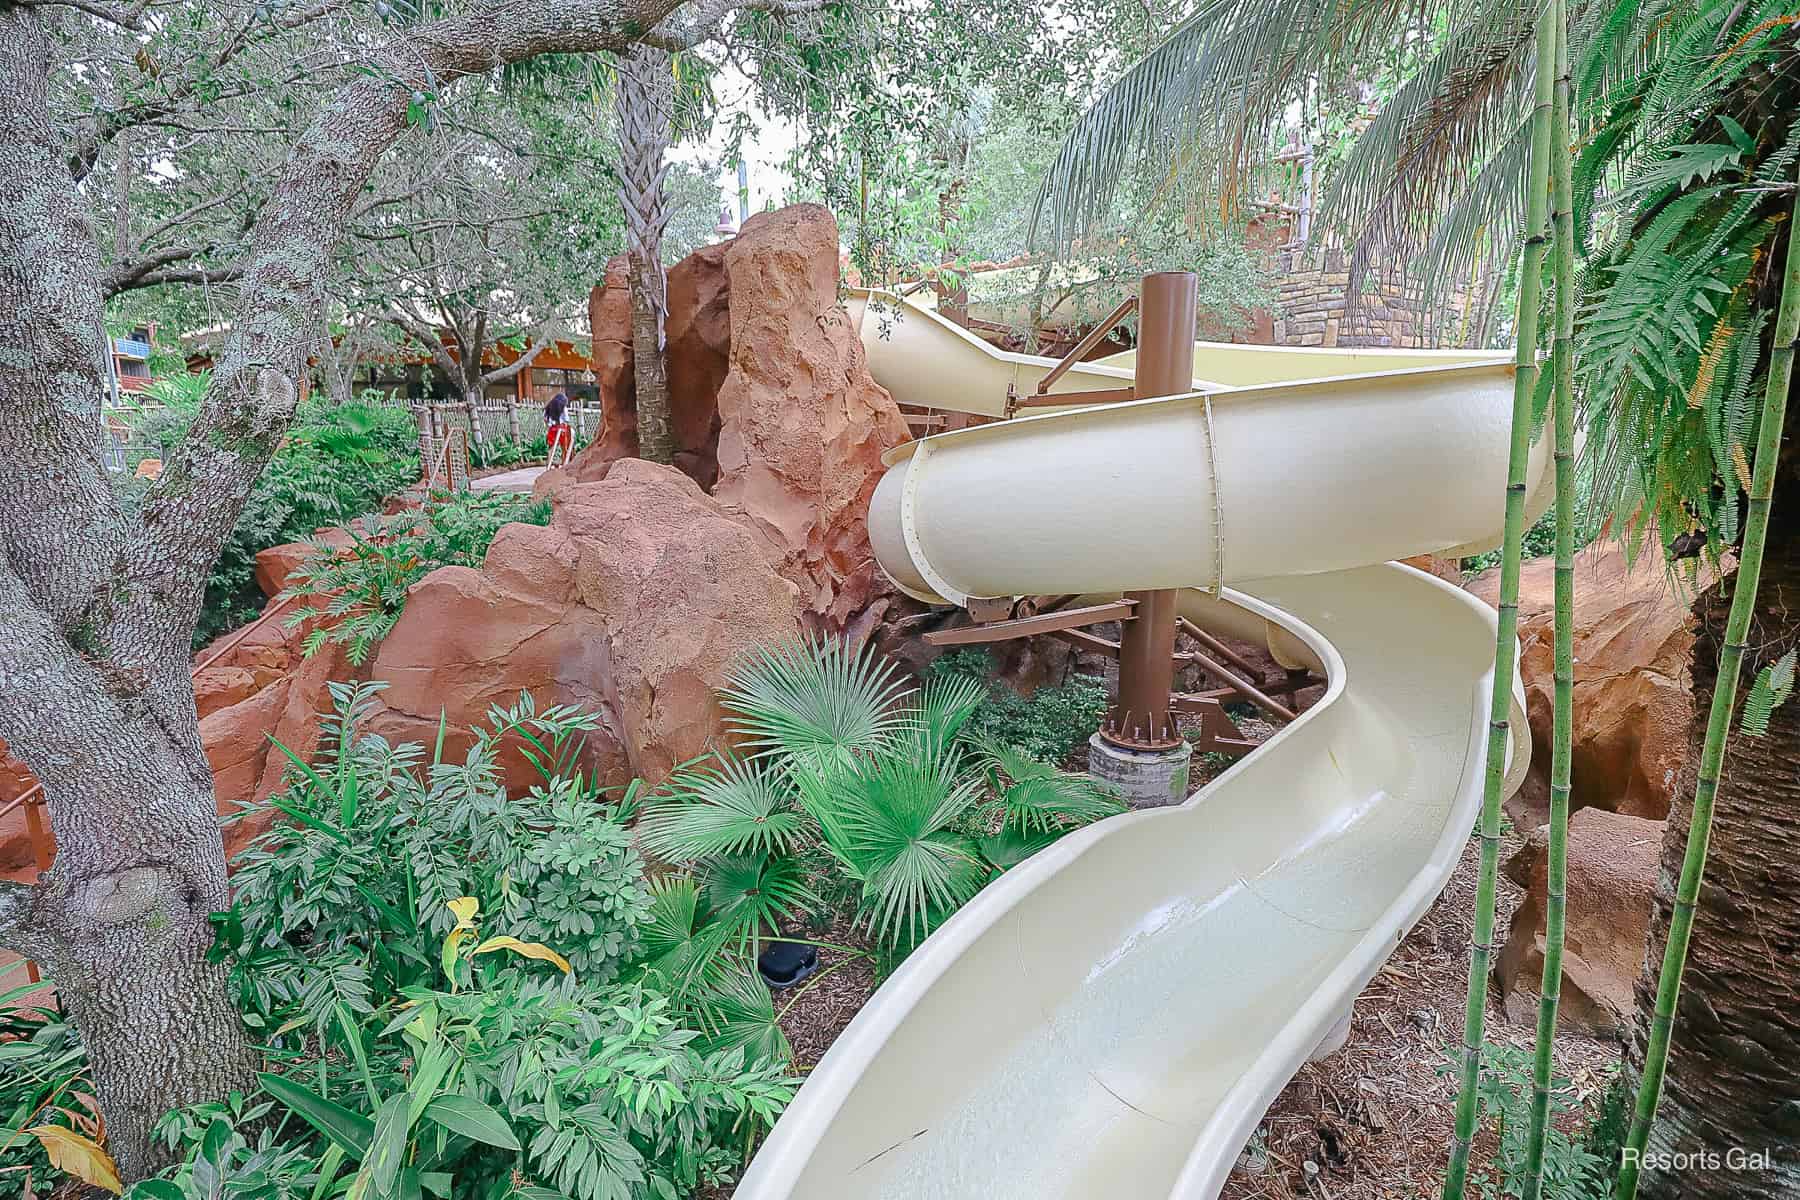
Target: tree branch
<point>148,270</point>
<point>429,338</point>
<point>701,22</point>
<point>502,374</point>
<point>128,17</point>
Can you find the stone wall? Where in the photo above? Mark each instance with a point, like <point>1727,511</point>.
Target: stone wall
<point>1389,311</point>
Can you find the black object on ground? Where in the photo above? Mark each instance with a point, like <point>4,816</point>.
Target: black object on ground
<point>784,964</point>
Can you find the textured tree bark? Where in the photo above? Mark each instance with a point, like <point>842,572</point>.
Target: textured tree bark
<point>1733,1081</point>
<point>644,99</point>
<point>97,604</point>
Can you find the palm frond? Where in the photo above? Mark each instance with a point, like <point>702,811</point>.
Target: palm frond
<point>941,709</point>
<point>818,702</point>
<point>1038,797</point>
<point>737,1012</point>
<point>736,807</point>
<point>890,823</point>
<point>751,894</point>
<point>1467,101</point>
<point>1205,96</point>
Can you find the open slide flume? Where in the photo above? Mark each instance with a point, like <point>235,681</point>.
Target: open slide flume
<point>1112,1017</point>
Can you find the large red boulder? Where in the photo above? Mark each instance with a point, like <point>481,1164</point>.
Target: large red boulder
<point>275,564</point>
<point>698,335</point>
<point>633,603</point>
<point>774,408</point>
<point>1632,701</point>
<point>804,424</point>
<point>1612,874</point>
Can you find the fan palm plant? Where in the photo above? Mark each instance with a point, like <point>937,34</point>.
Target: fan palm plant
<point>850,767</point>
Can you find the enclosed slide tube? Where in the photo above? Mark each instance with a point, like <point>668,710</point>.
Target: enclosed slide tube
<point>928,361</point>
<point>1110,1019</point>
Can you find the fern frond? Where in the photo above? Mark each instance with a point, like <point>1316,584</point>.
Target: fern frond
<point>1774,684</point>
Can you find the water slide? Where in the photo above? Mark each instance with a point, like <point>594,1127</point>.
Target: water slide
<point>1110,1019</point>
<point>927,361</point>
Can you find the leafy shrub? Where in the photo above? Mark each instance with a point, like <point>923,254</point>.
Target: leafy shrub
<point>334,464</point>
<point>471,995</point>
<point>498,1077</point>
<point>850,766</point>
<point>377,836</point>
<point>359,591</point>
<point>43,1083</point>
<point>1052,723</point>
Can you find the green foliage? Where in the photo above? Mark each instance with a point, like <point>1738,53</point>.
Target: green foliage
<point>334,464</point>
<point>1572,1169</point>
<point>466,995</point>
<point>1671,345</point>
<point>855,779</point>
<point>43,1081</point>
<point>1774,684</point>
<point>1052,723</point>
<point>377,836</point>
<point>359,591</point>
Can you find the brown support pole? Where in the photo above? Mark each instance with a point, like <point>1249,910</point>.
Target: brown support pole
<point>1140,718</point>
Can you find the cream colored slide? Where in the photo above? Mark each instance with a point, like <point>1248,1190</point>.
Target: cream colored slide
<point>927,361</point>
<point>1110,1019</point>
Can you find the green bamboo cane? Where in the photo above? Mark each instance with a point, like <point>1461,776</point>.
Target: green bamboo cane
<point>1563,419</point>
<point>1718,723</point>
<point>1506,641</point>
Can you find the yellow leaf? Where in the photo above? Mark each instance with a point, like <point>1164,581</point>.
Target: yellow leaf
<point>79,1156</point>
<point>464,908</point>
<point>528,949</point>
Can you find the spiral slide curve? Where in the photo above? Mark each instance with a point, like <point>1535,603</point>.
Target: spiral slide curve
<point>1111,1018</point>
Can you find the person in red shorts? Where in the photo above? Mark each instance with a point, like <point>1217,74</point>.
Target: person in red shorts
<point>557,431</point>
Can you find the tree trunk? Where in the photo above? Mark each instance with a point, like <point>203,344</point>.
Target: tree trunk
<point>644,100</point>
<point>119,923</point>
<point>1733,1077</point>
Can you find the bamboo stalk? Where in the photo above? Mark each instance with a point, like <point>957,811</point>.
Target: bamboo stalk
<point>1718,722</point>
<point>1556,890</point>
<point>1506,640</point>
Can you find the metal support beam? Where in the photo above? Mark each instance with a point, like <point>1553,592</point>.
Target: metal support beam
<point>1141,718</point>
<point>1053,622</point>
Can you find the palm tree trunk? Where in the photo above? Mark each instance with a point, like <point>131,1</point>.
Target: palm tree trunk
<point>1506,642</point>
<point>1743,1043</point>
<point>644,99</point>
<point>1563,421</point>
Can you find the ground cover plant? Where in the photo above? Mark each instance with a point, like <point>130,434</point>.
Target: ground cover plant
<point>1050,724</point>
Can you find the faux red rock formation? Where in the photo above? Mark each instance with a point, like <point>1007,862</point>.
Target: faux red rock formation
<point>699,340</point>
<point>775,411</point>
<point>804,424</point>
<point>274,565</point>
<point>634,602</point>
<point>1612,873</point>
<point>222,687</point>
<point>1632,703</point>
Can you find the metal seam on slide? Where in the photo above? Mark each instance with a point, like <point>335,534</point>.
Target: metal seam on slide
<point>1218,505</point>
<point>909,528</point>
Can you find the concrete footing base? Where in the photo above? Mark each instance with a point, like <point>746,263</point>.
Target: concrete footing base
<point>1143,778</point>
